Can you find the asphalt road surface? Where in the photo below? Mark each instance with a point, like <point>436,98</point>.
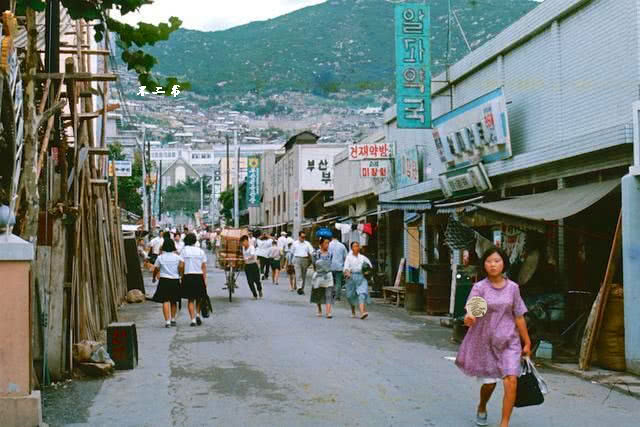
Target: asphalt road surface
<point>272,362</point>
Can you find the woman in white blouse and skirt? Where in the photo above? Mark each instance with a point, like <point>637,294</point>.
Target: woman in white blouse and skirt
<point>168,267</point>
<point>194,281</point>
<point>357,285</point>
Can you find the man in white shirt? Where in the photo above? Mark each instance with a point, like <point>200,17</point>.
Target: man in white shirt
<point>251,266</point>
<point>178,241</point>
<point>154,248</point>
<point>338,253</point>
<point>302,252</point>
<point>282,246</point>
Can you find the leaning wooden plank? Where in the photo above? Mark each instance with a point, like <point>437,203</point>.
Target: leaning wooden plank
<point>597,311</point>
<point>55,333</point>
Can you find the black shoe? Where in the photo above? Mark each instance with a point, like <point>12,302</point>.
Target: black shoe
<point>300,291</point>
<point>192,324</point>
<point>198,321</point>
<point>260,294</point>
<point>173,323</point>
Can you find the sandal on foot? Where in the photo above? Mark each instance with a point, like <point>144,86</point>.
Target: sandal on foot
<point>481,419</point>
<point>364,316</point>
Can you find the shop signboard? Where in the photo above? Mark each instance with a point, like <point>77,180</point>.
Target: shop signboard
<point>253,181</point>
<point>375,151</point>
<point>465,181</point>
<point>475,132</point>
<point>316,168</point>
<point>406,167</point>
<point>374,168</point>
<point>413,65</point>
<point>122,168</point>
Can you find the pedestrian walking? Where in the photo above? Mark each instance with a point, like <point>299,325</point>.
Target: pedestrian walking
<point>291,271</point>
<point>357,285</point>
<point>302,253</point>
<point>322,291</point>
<point>282,245</point>
<point>262,251</point>
<point>338,253</point>
<point>194,281</point>
<point>274,258</point>
<point>251,267</point>
<point>155,246</point>
<point>168,267</point>
<point>177,240</point>
<point>494,344</point>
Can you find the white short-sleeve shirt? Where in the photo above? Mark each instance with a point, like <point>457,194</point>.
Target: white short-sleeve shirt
<point>168,263</point>
<point>193,257</point>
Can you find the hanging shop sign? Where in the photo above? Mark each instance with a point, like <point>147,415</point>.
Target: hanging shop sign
<point>253,181</point>
<point>375,151</point>
<point>406,167</point>
<point>477,131</point>
<point>465,181</point>
<point>413,65</point>
<point>374,168</point>
<point>123,168</point>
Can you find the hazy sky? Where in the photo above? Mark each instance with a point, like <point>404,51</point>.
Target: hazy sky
<point>210,15</point>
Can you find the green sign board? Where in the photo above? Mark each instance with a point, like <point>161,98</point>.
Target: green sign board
<point>253,181</point>
<point>413,65</point>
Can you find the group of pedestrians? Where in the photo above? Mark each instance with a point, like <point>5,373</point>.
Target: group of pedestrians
<point>180,267</point>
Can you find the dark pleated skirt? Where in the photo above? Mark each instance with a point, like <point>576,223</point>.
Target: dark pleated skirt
<point>168,290</point>
<point>193,287</point>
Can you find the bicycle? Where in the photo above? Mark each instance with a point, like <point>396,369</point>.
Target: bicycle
<point>231,276</point>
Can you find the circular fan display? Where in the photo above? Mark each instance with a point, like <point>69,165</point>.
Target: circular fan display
<point>476,306</point>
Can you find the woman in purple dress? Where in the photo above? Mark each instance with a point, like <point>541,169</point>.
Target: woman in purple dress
<point>495,343</point>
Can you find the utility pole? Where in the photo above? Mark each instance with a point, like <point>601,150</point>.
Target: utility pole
<point>213,186</point>
<point>236,202</point>
<point>201,195</point>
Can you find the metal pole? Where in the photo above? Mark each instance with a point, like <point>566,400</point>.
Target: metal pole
<point>201,195</point>
<point>227,186</point>
<point>236,202</point>
<point>213,185</point>
<point>145,223</point>
<point>149,182</point>
<point>160,193</point>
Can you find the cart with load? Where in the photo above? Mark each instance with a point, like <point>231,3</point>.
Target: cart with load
<point>230,257</point>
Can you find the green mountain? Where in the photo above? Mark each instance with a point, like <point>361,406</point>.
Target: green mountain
<point>339,44</point>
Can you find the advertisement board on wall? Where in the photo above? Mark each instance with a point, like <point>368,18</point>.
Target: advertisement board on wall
<point>465,181</point>
<point>123,168</point>
<point>253,181</point>
<point>475,132</point>
<point>316,169</point>
<point>375,151</point>
<point>374,168</point>
<point>406,167</point>
<point>413,65</point>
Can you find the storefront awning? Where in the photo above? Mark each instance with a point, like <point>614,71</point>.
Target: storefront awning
<point>553,205</point>
<point>407,205</point>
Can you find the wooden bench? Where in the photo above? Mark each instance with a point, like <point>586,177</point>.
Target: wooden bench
<point>395,293</point>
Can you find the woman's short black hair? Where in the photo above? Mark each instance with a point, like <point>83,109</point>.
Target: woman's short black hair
<point>353,243</point>
<point>190,239</point>
<point>166,235</point>
<point>243,238</point>
<point>491,251</point>
<point>168,246</point>
<point>322,240</point>
<point>274,243</point>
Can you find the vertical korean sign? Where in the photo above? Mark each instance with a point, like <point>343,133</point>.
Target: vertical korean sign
<point>413,65</point>
<point>253,181</point>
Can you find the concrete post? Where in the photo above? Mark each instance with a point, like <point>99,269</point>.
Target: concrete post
<point>19,405</point>
<point>631,269</point>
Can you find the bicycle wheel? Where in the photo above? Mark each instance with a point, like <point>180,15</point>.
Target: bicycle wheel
<point>230,283</point>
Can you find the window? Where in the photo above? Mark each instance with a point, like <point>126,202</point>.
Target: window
<point>278,205</point>
<point>284,202</point>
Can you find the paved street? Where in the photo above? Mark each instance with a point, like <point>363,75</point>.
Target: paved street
<point>272,362</point>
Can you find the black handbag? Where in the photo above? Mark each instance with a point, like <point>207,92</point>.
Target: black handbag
<point>528,392</point>
<point>206,307</point>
